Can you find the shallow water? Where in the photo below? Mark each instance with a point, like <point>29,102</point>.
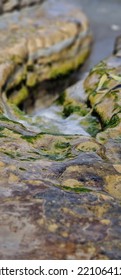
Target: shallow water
<point>52,118</point>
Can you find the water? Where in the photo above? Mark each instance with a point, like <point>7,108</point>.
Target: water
<point>52,119</point>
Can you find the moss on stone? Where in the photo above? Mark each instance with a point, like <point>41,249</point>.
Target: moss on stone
<point>17,59</point>
<point>19,96</point>
<point>31,79</point>
<point>30,139</point>
<point>61,99</point>
<point>113,122</point>
<point>62,145</point>
<point>66,67</point>
<point>77,189</point>
<point>71,106</point>
<point>93,126</point>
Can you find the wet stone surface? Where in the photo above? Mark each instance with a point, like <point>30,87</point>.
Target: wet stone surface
<point>60,186</point>
<point>57,203</point>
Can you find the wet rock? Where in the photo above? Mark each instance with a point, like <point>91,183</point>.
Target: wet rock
<point>34,53</point>
<point>60,193</point>
<point>55,194</point>
<point>103,86</point>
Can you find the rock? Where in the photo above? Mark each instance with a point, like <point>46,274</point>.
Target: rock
<point>10,5</point>
<point>41,43</point>
<point>103,86</point>
<point>60,194</point>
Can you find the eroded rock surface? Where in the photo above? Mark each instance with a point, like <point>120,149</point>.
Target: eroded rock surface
<point>55,198</point>
<point>59,194</point>
<point>103,86</point>
<point>40,42</point>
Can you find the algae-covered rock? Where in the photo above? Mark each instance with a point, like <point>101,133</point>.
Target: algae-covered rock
<point>103,86</point>
<point>55,193</point>
<point>59,190</point>
<point>40,43</point>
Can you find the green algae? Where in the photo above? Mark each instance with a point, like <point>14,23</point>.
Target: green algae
<point>2,135</point>
<point>4,118</point>
<point>31,79</point>
<point>68,66</point>
<point>51,148</point>
<point>61,70</point>
<point>19,96</point>
<point>91,125</point>
<point>99,69</point>
<point>31,139</point>
<point>113,122</point>
<point>1,129</point>
<point>62,145</point>
<point>77,189</point>
<point>71,106</point>
<point>61,99</point>
<point>55,154</point>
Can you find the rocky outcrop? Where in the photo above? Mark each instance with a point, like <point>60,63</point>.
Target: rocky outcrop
<point>40,43</point>
<point>103,86</point>
<point>59,193</point>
